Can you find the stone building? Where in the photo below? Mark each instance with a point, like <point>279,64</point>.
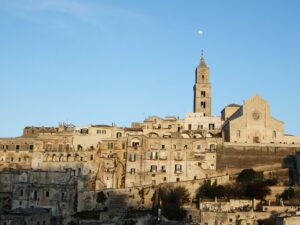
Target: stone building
<point>197,121</point>
<point>34,188</point>
<point>252,123</point>
<point>151,161</point>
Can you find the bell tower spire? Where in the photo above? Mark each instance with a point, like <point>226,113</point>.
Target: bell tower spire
<point>202,88</point>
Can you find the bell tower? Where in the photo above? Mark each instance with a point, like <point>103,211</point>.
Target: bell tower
<point>202,89</point>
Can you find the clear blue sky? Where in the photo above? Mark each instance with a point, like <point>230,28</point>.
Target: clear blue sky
<point>88,61</point>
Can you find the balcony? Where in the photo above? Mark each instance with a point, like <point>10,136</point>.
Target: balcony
<point>178,158</point>
<point>134,148</point>
<point>163,157</point>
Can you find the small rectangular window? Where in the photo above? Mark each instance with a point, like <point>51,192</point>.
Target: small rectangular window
<point>132,170</point>
<point>132,157</point>
<point>211,126</point>
<point>153,168</point>
<point>203,94</point>
<point>30,147</point>
<point>17,147</point>
<point>203,105</point>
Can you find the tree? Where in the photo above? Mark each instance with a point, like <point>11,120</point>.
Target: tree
<point>257,189</point>
<point>172,200</point>
<point>288,194</point>
<point>249,175</point>
<point>208,190</point>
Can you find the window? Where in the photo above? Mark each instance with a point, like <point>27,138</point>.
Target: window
<point>123,145</point>
<point>63,196</point>
<point>5,147</point>
<point>21,192</point>
<point>211,126</point>
<point>35,194</point>
<point>110,145</point>
<point>203,105</point>
<point>103,131</point>
<point>84,131</point>
<point>67,147</point>
<point>163,168</point>
<point>163,146</point>
<point>198,146</point>
<point>132,170</point>
<point>212,147</point>
<point>119,135</point>
<point>190,127</point>
<point>92,157</point>
<point>153,156</point>
<point>60,147</point>
<point>44,222</point>
<point>17,148</point>
<point>165,178</point>
<point>153,168</point>
<point>178,168</point>
<point>177,179</point>
<point>203,94</point>
<point>30,147</point>
<point>274,134</point>
<point>135,144</point>
<point>185,147</point>
<point>47,194</point>
<point>38,223</point>
<point>238,133</point>
<point>132,157</point>
<point>124,155</point>
<point>98,131</point>
<point>203,76</point>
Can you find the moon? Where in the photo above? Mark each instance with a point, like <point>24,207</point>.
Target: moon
<point>200,32</point>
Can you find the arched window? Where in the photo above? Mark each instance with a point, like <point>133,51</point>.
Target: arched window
<point>119,135</point>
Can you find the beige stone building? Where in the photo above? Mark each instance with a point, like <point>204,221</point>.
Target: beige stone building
<point>252,123</point>
<point>151,161</point>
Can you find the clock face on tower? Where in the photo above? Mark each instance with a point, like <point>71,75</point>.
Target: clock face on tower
<point>256,115</point>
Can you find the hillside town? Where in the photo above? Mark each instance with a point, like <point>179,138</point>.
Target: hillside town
<point>236,168</point>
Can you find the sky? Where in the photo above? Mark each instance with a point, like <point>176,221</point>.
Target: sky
<point>102,62</point>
